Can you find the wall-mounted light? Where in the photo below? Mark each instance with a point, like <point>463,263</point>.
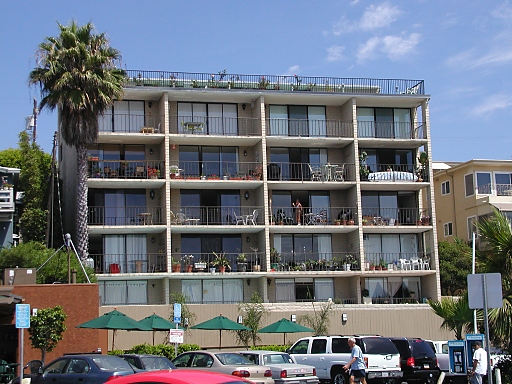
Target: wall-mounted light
<point>243,106</point>
<point>185,321</point>
<point>153,240</point>
<point>269,281</point>
<point>344,317</point>
<point>150,104</point>
<point>248,281</point>
<point>152,194</point>
<point>248,239</point>
<point>173,146</point>
<point>252,103</point>
<point>239,319</point>
<point>246,195</point>
<point>153,285</point>
<point>293,318</point>
<point>150,151</point>
<point>245,152</point>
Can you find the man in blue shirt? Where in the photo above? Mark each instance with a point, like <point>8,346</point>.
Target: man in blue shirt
<point>356,363</point>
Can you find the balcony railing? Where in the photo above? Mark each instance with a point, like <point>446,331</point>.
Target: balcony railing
<point>314,216</point>
<point>398,260</point>
<point>393,172</point>
<point>126,216</point>
<point>221,126</point>
<point>311,172</point>
<point>129,169</point>
<point>318,261</point>
<point>229,81</point>
<point>202,262</point>
<point>7,200</point>
<point>395,216</point>
<point>129,263</point>
<point>213,170</point>
<point>390,130</point>
<point>218,215</point>
<point>503,189</point>
<point>131,123</point>
<point>309,128</point>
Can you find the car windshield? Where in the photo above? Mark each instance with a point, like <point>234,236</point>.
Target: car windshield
<point>233,359</point>
<point>277,358</point>
<point>156,363</point>
<point>421,348</point>
<point>378,346</point>
<point>111,363</point>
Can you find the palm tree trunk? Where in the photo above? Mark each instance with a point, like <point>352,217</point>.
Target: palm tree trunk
<point>81,209</point>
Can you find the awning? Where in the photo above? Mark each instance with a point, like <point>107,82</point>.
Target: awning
<point>8,301</point>
<point>503,206</point>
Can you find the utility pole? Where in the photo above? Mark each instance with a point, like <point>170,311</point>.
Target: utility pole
<point>51,197</point>
<point>35,111</point>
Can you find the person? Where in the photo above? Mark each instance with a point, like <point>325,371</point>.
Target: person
<point>298,211</point>
<point>479,363</point>
<point>356,364</point>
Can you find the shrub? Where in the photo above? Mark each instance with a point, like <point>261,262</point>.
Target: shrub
<point>277,348</point>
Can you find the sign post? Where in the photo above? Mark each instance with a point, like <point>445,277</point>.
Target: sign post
<point>22,322</point>
<point>172,334</point>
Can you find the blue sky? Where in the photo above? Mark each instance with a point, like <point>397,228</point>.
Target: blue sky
<point>462,49</point>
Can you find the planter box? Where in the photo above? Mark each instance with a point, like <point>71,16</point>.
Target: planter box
<point>200,265</point>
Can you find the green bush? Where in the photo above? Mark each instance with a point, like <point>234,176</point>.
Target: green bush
<point>505,366</point>
<point>277,348</point>
<point>166,350</point>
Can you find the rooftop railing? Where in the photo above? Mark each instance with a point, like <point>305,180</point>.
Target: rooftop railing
<point>224,80</point>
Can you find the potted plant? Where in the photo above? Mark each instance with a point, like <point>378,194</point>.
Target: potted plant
<point>174,171</point>
<point>241,261</point>
<point>275,259</point>
<point>187,262</point>
<point>363,168</point>
<point>263,83</point>
<point>421,169</point>
<point>221,261</point>
<point>383,265</point>
<point>176,266</point>
<point>425,220</point>
<point>337,222</point>
<point>203,177</point>
<point>343,219</point>
<point>153,173</point>
<point>200,265</point>
<point>349,260</point>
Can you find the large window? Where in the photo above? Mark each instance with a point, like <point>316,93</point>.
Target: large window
<point>117,206</point>
<point>297,120</point>
<point>469,185</point>
<point>123,292</point>
<point>382,160</point>
<point>304,289</point>
<point>297,249</point>
<point>213,291</point>
<point>294,163</point>
<point>218,119</point>
<point>390,207</point>
<point>390,247</point>
<point>208,160</point>
<point>503,184</point>
<point>483,183</point>
<point>125,254</point>
<point>124,116</point>
<point>388,290</point>
<point>211,207</point>
<point>393,123</point>
<point>203,246</point>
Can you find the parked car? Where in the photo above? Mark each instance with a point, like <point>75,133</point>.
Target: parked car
<point>86,369</point>
<point>148,362</point>
<point>181,376</point>
<point>328,354</point>
<point>417,360</point>
<point>284,369</point>
<point>224,362</point>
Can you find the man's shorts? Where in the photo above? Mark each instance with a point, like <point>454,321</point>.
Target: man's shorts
<point>357,373</point>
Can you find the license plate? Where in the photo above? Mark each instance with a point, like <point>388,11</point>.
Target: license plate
<point>426,366</point>
<point>385,374</point>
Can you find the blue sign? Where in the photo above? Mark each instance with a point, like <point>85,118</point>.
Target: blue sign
<point>177,313</point>
<point>22,315</point>
<point>177,320</point>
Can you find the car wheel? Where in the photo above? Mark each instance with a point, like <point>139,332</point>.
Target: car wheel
<point>339,377</point>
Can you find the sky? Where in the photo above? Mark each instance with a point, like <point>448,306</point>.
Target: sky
<point>461,49</point>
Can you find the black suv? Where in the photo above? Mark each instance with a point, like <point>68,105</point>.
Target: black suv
<point>417,360</point>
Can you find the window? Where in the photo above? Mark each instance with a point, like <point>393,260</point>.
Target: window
<point>125,116</point>
<point>293,163</point>
<point>123,292</point>
<point>208,160</point>
<point>218,119</point>
<point>445,187</point>
<point>213,291</point>
<point>395,288</point>
<point>448,229</point>
<point>503,184</point>
<point>469,185</point>
<point>483,183</point>
<point>297,120</point>
<point>304,289</point>
<point>384,123</point>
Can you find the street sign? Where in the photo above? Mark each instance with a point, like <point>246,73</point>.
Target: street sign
<point>492,286</point>
<point>177,313</point>
<point>176,336</point>
<point>22,315</point>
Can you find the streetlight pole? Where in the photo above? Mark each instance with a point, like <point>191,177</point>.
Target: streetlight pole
<point>473,271</point>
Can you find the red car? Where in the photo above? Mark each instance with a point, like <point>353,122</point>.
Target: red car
<point>181,376</point>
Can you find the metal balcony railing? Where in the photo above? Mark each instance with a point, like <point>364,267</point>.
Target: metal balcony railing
<point>395,216</point>
<point>213,170</point>
<point>503,189</point>
<point>131,123</point>
<point>393,172</point>
<point>221,126</point>
<point>397,260</point>
<point>126,216</point>
<point>7,200</point>
<point>317,261</point>
<point>129,169</point>
<point>129,263</point>
<point>314,216</point>
<point>311,172</point>
<point>228,81</point>
<point>390,130</point>
<point>217,215</point>
<point>202,262</point>
<point>309,128</point>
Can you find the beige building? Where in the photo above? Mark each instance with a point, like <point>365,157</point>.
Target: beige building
<point>469,191</point>
<point>310,188</point>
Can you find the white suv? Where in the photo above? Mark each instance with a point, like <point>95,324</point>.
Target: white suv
<point>328,354</point>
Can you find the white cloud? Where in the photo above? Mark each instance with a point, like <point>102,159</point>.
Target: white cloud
<point>378,16</point>
<point>472,59</point>
<point>335,53</point>
<point>294,69</point>
<point>394,47</point>
<point>493,103</point>
<point>503,11</point>
<point>343,26</point>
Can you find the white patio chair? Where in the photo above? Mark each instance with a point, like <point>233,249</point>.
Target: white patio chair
<point>316,173</point>
<point>239,219</point>
<point>415,263</point>
<point>339,173</point>
<point>405,264</point>
<point>252,218</point>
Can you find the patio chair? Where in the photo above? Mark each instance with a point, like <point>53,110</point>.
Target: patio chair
<point>415,263</point>
<point>316,173</point>
<point>239,219</point>
<point>252,218</point>
<point>181,218</point>
<point>339,173</point>
<point>405,264</point>
<point>139,171</point>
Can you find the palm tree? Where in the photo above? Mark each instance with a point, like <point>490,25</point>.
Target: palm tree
<point>456,314</point>
<point>496,236</point>
<point>77,74</point>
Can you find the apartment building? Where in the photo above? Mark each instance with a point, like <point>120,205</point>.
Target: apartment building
<point>9,177</point>
<point>304,188</point>
<point>469,191</point>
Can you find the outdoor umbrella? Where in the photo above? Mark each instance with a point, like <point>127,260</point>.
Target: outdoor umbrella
<point>157,323</point>
<point>114,320</point>
<point>221,323</point>
<point>284,326</point>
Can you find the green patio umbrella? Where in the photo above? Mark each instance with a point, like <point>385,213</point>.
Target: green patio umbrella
<point>157,323</point>
<point>114,320</point>
<point>284,326</point>
<point>221,323</point>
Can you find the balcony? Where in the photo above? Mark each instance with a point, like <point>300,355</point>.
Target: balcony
<point>390,130</point>
<point>7,200</point>
<point>501,189</point>
<point>397,261</point>
<point>228,81</point>
<point>315,172</point>
<point>374,216</point>
<point>315,261</point>
<point>395,173</point>
<point>202,262</point>
<point>313,216</point>
<point>215,126</point>
<point>129,263</point>
<point>126,216</point>
<point>131,123</point>
<point>219,170</point>
<point>121,169</point>
<point>218,215</point>
<point>310,128</point>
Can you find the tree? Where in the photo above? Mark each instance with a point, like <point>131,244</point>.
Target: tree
<point>77,74</point>
<point>252,315</point>
<point>456,314</point>
<point>46,329</point>
<point>496,238</point>
<point>454,266</point>
<point>319,321</point>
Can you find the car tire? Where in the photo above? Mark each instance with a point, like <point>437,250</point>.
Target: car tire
<point>338,376</point>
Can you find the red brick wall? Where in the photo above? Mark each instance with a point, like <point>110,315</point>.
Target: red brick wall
<point>80,303</point>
